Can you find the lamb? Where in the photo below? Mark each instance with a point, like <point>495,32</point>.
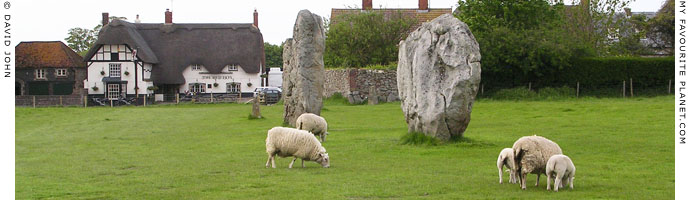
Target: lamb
<point>531,155</point>
<point>506,158</point>
<point>314,124</point>
<point>286,142</point>
<point>560,168</point>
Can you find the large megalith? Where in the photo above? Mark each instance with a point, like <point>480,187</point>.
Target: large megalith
<point>303,70</point>
<point>438,77</point>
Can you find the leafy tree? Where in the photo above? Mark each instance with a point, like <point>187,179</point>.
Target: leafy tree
<point>519,40</point>
<point>367,38</point>
<point>82,39</point>
<point>661,27</point>
<point>274,55</point>
<point>597,26</point>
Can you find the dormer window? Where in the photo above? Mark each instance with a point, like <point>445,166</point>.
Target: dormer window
<point>61,72</point>
<point>232,68</point>
<point>196,67</point>
<point>40,74</point>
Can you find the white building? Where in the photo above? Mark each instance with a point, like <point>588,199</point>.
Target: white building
<point>275,77</point>
<point>131,59</point>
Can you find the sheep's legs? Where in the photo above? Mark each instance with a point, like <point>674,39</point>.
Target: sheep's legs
<point>571,182</point>
<point>548,181</point>
<point>293,162</point>
<point>273,161</point>
<point>268,162</point>
<point>559,178</point>
<point>523,180</point>
<point>302,163</point>
<point>537,184</point>
<point>500,175</point>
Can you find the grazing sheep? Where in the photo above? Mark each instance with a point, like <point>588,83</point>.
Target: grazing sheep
<point>506,158</point>
<point>314,124</point>
<point>286,142</point>
<point>562,170</point>
<point>531,155</point>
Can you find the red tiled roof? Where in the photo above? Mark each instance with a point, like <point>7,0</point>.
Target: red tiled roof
<point>46,54</point>
<point>421,15</point>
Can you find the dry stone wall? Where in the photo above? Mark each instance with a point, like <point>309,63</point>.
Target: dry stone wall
<point>357,84</point>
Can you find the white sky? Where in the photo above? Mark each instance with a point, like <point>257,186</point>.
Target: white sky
<point>49,20</point>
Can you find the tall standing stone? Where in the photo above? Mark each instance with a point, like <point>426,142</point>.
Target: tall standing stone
<point>303,70</point>
<point>438,77</point>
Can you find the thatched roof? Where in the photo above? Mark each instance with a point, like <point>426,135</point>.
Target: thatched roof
<point>46,54</point>
<point>173,47</point>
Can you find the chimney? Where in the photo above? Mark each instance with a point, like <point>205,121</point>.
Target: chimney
<point>628,12</point>
<point>256,18</point>
<point>106,19</point>
<point>168,16</point>
<point>423,4</point>
<point>137,20</point>
<point>367,5</point>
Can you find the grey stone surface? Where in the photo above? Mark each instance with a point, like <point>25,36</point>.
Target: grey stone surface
<point>350,82</point>
<point>438,77</point>
<point>256,109</point>
<point>303,70</point>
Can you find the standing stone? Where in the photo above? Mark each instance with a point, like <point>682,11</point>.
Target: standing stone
<point>303,70</point>
<point>438,77</point>
<point>256,112</point>
<point>373,96</point>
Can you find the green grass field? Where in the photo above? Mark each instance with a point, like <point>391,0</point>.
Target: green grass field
<point>622,148</point>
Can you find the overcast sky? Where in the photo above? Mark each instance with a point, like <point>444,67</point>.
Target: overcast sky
<point>49,20</point>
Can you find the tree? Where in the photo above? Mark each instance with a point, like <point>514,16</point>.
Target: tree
<point>366,38</point>
<point>661,27</point>
<point>597,26</point>
<point>82,39</point>
<point>519,40</point>
<point>274,55</point>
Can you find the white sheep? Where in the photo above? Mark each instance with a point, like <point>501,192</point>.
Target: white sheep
<point>286,142</point>
<point>531,155</point>
<point>506,158</point>
<point>562,170</point>
<point>314,124</point>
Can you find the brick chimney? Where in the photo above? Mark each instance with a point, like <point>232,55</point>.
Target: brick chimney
<point>106,19</point>
<point>256,18</point>
<point>367,5</point>
<point>423,4</point>
<point>168,16</point>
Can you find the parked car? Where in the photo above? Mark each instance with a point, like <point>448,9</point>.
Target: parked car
<point>263,89</point>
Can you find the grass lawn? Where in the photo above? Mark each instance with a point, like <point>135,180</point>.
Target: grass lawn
<point>622,148</point>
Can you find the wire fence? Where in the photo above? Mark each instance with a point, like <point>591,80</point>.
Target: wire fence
<point>624,89</point>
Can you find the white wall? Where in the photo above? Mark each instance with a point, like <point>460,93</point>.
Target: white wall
<point>275,77</point>
<point>96,79</point>
<point>222,79</point>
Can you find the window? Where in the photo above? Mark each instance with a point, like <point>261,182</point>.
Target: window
<point>115,69</point>
<point>234,87</point>
<point>197,87</point>
<point>232,68</point>
<point>196,67</point>
<point>113,91</point>
<point>41,74</point>
<point>61,72</point>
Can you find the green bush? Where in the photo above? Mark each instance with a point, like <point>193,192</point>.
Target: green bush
<point>609,71</point>
<point>519,93</point>
<point>556,93</point>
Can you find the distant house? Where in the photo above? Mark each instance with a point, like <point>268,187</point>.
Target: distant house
<point>422,13</point>
<point>168,58</point>
<point>48,68</point>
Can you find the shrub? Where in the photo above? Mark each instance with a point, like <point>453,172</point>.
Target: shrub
<point>614,70</point>
<point>556,93</point>
<point>520,93</point>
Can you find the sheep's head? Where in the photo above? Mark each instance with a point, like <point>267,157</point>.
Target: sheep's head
<point>324,160</point>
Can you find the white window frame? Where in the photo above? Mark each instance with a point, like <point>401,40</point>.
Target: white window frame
<point>234,89</point>
<point>232,68</point>
<point>115,69</point>
<point>196,68</point>
<point>61,72</point>
<point>40,73</point>
<point>113,91</point>
<point>197,87</point>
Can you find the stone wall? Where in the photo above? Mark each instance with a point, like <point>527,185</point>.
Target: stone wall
<point>357,84</point>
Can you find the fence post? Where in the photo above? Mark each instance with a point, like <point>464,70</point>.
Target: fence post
<point>529,87</point>
<point>482,89</point>
<point>145,100</point>
<point>177,98</point>
<point>631,89</point>
<point>111,103</point>
<point>624,89</point>
<point>34,101</point>
<point>669,86</point>
<point>85,101</point>
<point>577,93</point>
<point>60,100</point>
